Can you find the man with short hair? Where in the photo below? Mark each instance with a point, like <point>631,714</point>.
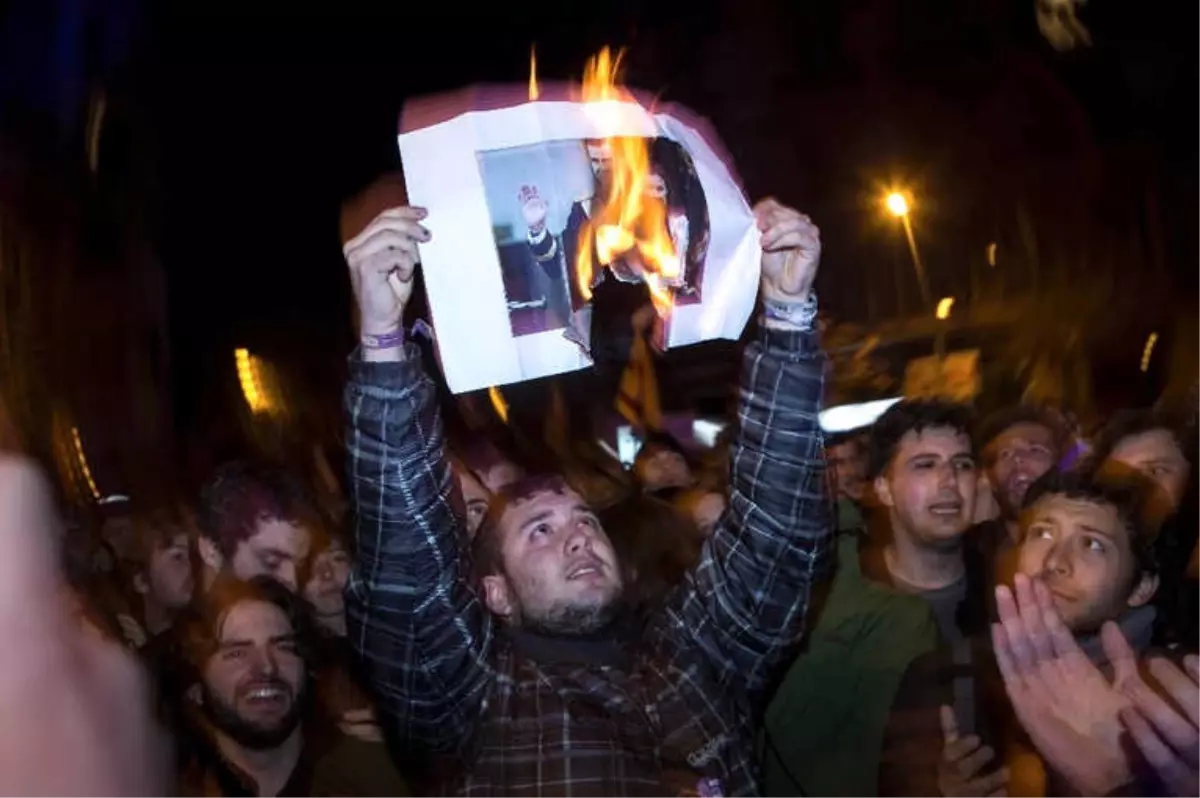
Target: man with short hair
<point>846,458</point>
<point>255,520</point>
<point>661,466</point>
<point>884,608</point>
<point>532,678</point>
<point>921,462</point>
<point>159,572</point>
<point>1086,539</point>
<point>1019,445</point>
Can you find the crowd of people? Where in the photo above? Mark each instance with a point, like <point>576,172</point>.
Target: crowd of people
<point>930,605</point>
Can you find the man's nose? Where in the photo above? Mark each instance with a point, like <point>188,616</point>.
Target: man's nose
<point>264,663</point>
<point>287,575</point>
<point>579,540</point>
<point>1058,561</point>
<point>324,572</point>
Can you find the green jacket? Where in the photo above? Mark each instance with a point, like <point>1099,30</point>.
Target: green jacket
<point>823,730</point>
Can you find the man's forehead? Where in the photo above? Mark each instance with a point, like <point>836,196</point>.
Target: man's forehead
<point>1155,442</point>
<point>1078,510</point>
<point>1024,431</point>
<point>522,508</point>
<point>250,618</point>
<point>946,441</point>
<point>279,534</point>
<point>599,149</point>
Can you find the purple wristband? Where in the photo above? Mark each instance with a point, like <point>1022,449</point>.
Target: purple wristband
<point>392,340</point>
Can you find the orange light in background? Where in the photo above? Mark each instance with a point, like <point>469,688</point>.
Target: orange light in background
<point>627,224</point>
<point>944,307</point>
<point>897,204</point>
<point>83,463</point>
<point>247,371</point>
<point>1148,351</point>
<point>533,82</point>
<point>498,403</point>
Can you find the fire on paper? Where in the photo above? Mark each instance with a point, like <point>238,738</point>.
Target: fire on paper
<point>548,191</point>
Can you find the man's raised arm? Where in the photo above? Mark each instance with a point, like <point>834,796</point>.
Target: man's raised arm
<point>745,603</point>
<point>413,616</point>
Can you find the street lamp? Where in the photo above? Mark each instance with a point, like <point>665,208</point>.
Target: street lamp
<point>897,205</point>
<point>944,307</point>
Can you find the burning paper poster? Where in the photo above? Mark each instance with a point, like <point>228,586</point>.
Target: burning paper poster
<point>511,187</point>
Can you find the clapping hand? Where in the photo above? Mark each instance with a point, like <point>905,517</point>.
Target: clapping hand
<point>1070,710</point>
<point>1165,729</point>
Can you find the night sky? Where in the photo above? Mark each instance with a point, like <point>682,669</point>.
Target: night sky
<point>240,128</point>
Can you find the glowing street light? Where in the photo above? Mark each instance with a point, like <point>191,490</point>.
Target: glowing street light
<point>897,205</point>
<point>498,403</point>
<point>944,307</point>
<point>1148,351</point>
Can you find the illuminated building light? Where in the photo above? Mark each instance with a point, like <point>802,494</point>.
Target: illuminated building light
<point>83,463</point>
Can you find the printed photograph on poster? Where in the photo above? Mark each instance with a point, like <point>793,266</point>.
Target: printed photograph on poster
<point>539,197</point>
<point>516,181</point>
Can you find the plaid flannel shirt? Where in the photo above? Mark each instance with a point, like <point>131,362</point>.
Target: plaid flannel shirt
<point>678,716</point>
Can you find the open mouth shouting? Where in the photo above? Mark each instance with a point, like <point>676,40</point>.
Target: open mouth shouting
<point>588,569</point>
<point>947,509</point>
<point>267,697</point>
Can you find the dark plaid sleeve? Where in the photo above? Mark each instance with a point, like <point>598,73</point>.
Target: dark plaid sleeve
<point>414,618</point>
<point>744,604</point>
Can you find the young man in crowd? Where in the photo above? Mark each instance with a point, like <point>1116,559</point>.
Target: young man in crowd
<point>846,458</point>
<point>1149,443</point>
<point>474,494</point>
<point>885,607</point>
<point>922,465</point>
<point>1019,445</point>
<point>255,520</point>
<point>661,466</point>
<point>1086,539</point>
<point>521,666</point>
<point>251,729</point>
<point>159,574</point>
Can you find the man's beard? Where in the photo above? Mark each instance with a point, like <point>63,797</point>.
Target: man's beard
<point>566,620</point>
<point>226,719</point>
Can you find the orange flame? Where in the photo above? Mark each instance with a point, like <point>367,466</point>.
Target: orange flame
<point>627,223</point>
<point>533,81</point>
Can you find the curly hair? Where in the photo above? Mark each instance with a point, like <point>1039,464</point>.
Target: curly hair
<point>912,415</point>
<point>240,495</point>
<point>1128,494</point>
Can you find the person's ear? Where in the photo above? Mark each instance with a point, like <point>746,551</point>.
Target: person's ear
<point>210,554</point>
<point>140,585</point>
<point>883,491</point>
<point>498,596</point>
<point>1146,587</point>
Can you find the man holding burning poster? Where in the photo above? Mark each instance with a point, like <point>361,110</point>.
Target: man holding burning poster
<point>519,656</point>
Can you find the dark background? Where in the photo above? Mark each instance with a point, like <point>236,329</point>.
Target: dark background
<point>233,132</point>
